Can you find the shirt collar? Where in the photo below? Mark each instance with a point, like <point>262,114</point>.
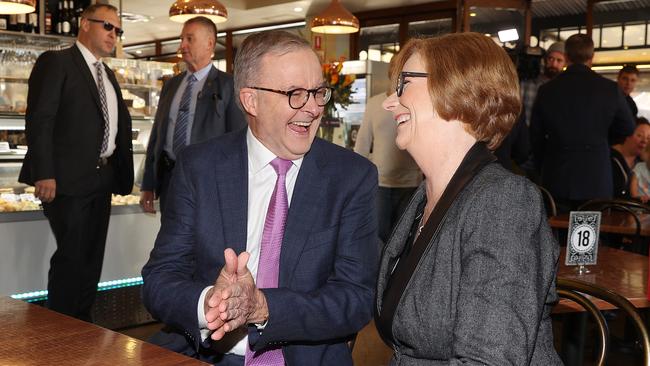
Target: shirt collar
<point>85,52</point>
<point>201,74</point>
<point>260,156</point>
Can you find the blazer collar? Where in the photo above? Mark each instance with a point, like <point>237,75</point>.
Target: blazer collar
<point>79,59</point>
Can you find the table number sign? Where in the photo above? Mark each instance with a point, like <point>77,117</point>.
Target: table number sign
<point>582,239</point>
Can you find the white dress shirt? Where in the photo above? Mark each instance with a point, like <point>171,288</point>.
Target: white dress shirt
<point>261,182</point>
<point>111,98</point>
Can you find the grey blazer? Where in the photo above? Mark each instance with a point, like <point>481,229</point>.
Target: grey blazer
<point>483,289</point>
<point>216,114</point>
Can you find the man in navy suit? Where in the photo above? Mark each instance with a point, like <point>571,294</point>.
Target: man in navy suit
<point>220,193</point>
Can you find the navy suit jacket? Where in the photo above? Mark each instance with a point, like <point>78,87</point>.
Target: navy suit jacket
<point>329,255</point>
<point>216,114</point>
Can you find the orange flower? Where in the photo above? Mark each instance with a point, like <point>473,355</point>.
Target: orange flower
<point>348,80</point>
<point>335,79</point>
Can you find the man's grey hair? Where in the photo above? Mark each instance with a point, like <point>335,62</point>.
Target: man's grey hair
<point>248,61</point>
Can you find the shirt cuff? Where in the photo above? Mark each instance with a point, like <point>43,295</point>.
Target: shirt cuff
<point>200,313</point>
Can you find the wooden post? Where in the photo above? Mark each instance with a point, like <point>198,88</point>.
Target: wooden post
<point>590,17</point>
<point>230,59</point>
<point>528,19</point>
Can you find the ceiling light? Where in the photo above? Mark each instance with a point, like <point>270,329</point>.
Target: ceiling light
<point>472,14</point>
<point>335,19</point>
<point>17,6</point>
<point>268,28</point>
<point>297,9</point>
<point>183,10</point>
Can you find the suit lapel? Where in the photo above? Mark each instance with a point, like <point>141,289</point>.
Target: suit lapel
<point>78,58</point>
<point>204,103</point>
<point>232,187</point>
<point>306,205</point>
<point>165,104</point>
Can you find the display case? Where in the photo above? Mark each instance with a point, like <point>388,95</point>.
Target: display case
<point>27,242</point>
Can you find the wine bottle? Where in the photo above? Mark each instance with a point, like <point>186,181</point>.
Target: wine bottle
<point>48,19</point>
<point>73,18</point>
<point>13,22</point>
<point>32,22</point>
<point>21,19</point>
<point>59,19</point>
<point>4,22</point>
<point>65,26</point>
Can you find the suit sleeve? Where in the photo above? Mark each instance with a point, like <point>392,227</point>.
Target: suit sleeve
<point>508,263</point>
<point>148,180</point>
<point>623,124</point>
<point>235,119</point>
<point>343,305</point>
<point>170,292</point>
<point>45,85</point>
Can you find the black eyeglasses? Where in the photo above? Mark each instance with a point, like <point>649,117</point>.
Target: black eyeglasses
<point>406,74</point>
<point>108,26</point>
<point>299,97</point>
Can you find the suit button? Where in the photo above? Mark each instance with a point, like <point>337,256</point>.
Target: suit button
<point>97,167</point>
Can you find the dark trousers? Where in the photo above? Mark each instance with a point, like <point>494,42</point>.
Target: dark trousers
<point>79,224</point>
<point>391,202</point>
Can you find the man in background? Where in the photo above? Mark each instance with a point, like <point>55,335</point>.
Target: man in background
<point>194,106</point>
<point>627,78</point>
<point>399,175</point>
<point>79,138</point>
<point>299,212</point>
<point>573,118</point>
<point>554,63</point>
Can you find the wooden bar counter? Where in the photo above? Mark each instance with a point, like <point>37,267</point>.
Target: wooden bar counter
<point>34,335</point>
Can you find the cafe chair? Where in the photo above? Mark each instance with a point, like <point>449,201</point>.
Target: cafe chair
<point>576,290</point>
<point>634,205</point>
<point>549,202</point>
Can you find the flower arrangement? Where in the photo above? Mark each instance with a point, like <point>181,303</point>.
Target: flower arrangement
<point>341,86</point>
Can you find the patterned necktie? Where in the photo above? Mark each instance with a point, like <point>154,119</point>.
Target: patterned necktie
<point>102,98</point>
<point>268,269</point>
<point>183,117</point>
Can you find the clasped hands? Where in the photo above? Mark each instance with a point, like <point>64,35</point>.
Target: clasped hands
<point>234,300</point>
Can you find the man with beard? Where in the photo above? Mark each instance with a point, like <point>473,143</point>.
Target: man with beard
<point>554,63</point>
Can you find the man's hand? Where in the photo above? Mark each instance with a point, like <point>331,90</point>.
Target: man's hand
<point>228,276</point>
<point>45,189</point>
<point>146,201</point>
<point>242,303</point>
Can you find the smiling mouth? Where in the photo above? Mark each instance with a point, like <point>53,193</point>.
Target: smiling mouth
<point>402,118</point>
<point>301,125</point>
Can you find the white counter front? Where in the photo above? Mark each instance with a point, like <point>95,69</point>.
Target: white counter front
<point>27,243</point>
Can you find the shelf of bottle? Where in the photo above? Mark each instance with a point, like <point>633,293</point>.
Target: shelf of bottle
<point>29,40</point>
<point>13,79</point>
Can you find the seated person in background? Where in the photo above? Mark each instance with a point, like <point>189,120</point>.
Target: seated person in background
<point>468,275</point>
<point>299,212</point>
<point>626,155</point>
<point>640,180</point>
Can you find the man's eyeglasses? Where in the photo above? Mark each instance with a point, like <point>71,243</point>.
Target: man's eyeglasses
<point>299,97</point>
<point>406,74</point>
<point>108,26</point>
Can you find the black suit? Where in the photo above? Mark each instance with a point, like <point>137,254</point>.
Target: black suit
<point>64,126</point>
<point>216,113</point>
<point>572,119</point>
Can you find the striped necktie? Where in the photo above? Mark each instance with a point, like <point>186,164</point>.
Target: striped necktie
<point>183,117</point>
<point>102,99</point>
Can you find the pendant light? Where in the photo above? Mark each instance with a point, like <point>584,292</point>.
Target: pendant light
<point>17,6</point>
<point>183,10</point>
<point>335,20</point>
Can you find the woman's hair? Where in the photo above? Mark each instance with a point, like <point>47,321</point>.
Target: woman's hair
<point>471,80</point>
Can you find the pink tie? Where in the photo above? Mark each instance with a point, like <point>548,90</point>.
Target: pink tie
<point>269,266</point>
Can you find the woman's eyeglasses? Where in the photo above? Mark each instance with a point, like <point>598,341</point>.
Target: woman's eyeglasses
<point>108,26</point>
<point>407,74</point>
